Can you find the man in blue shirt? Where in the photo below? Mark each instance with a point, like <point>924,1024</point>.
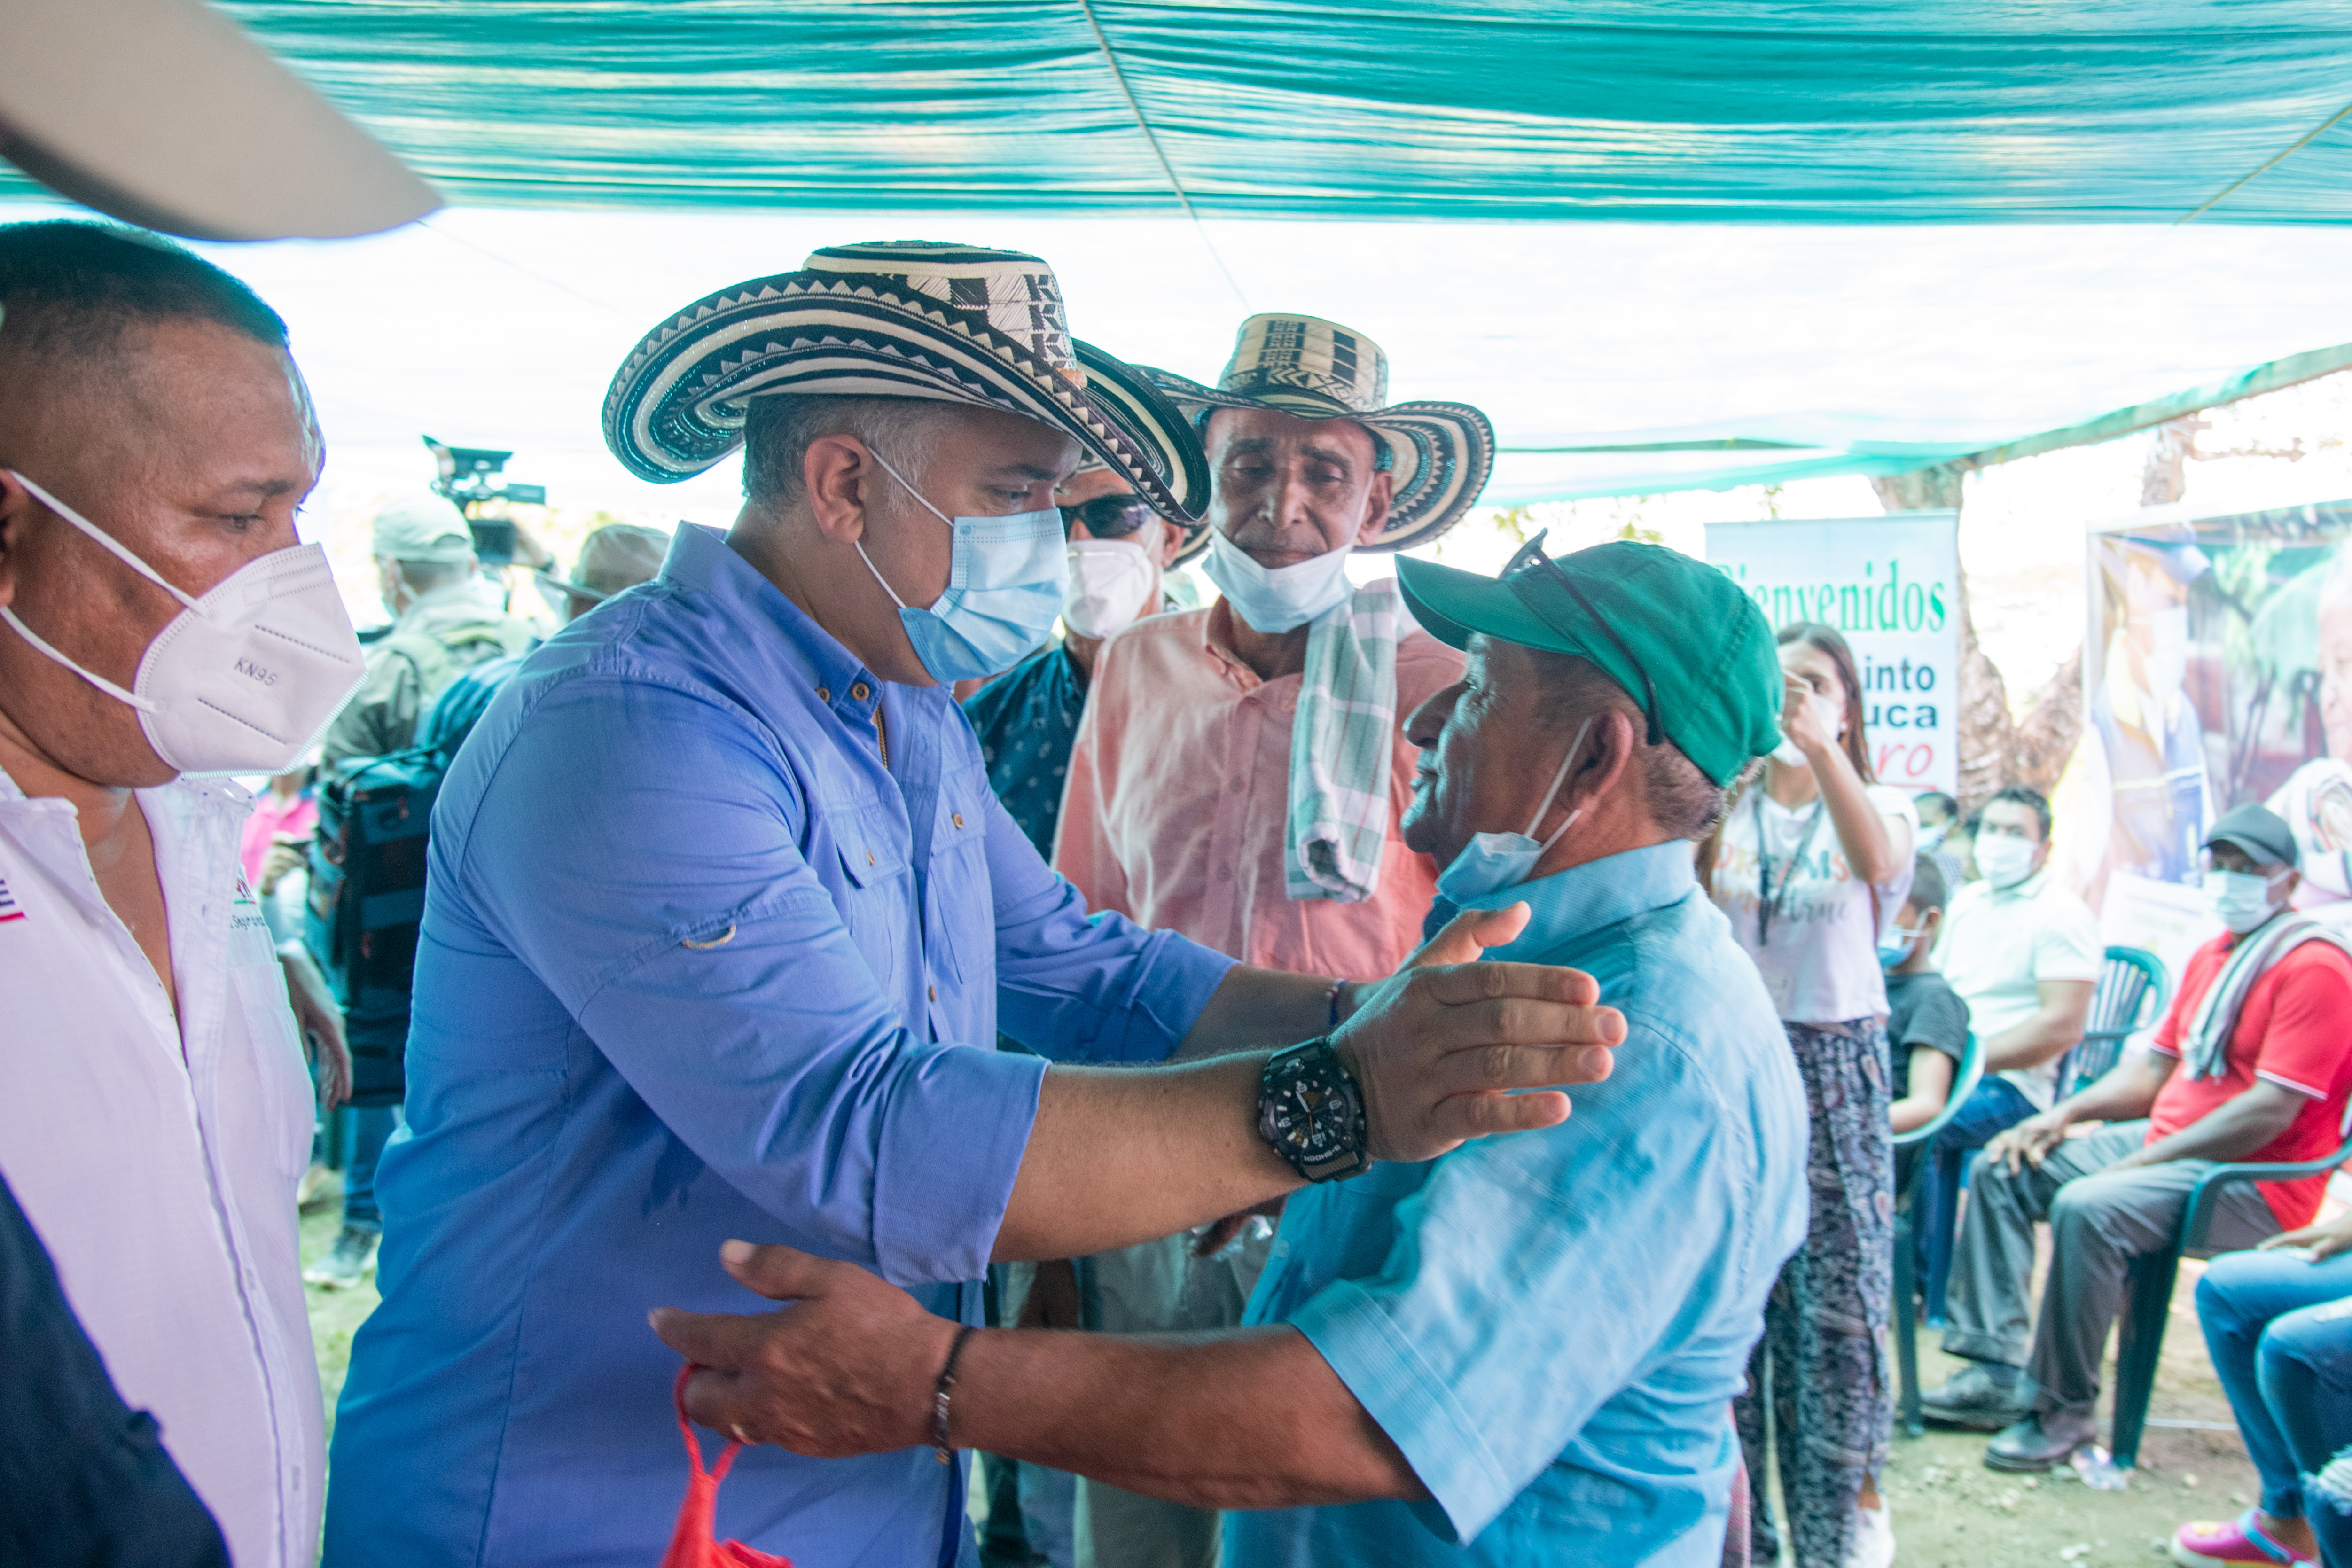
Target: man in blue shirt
<point>1523,1351</point>
<point>721,918</point>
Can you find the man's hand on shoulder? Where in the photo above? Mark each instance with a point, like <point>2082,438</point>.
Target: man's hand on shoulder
<point>1441,1047</point>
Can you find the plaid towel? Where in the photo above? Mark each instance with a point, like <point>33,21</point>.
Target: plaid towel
<point>1340,743</point>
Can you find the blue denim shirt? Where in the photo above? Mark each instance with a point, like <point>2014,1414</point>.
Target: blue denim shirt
<point>697,964</point>
<point>1552,1325</point>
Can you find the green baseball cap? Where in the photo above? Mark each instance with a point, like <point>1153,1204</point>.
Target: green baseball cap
<point>1685,643</point>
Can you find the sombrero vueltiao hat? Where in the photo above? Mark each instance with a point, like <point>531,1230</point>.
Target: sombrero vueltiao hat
<point>1440,452</point>
<point>913,319</point>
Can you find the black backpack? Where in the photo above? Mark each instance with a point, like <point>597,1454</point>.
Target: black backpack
<point>367,899</point>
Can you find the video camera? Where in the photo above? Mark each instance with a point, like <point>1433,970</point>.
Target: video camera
<point>469,478</point>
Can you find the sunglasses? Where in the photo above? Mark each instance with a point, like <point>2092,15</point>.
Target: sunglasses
<point>1108,517</point>
<point>1530,557</point>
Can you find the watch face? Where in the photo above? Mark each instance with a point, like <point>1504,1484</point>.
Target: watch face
<point>1307,1112</point>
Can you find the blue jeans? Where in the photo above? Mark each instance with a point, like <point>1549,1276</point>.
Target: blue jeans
<point>367,1128</point>
<point>2281,1347</point>
<point>1993,1107</point>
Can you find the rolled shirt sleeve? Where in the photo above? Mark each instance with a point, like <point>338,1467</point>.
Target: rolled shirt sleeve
<point>1482,1346</point>
<point>668,906</point>
<point>1076,987</point>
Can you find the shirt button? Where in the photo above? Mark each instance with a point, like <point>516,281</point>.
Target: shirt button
<point>859,691</point>
<point>956,817</point>
<point>870,857</point>
<point>1236,786</point>
<point>1224,874</point>
<point>932,992</point>
<point>824,693</point>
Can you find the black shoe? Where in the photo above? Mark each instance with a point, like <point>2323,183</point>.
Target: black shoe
<point>1974,1398</point>
<point>353,1260</point>
<point>2038,1442</point>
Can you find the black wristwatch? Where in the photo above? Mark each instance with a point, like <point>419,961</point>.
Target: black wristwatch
<point>1312,1113</point>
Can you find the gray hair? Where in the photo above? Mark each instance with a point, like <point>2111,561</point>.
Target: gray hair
<point>779,429</point>
<point>1684,802</point>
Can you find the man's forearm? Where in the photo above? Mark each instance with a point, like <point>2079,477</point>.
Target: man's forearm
<point>2040,1039</point>
<point>2124,1093</point>
<point>1119,1155</point>
<point>1251,1418</point>
<point>2231,1131</point>
<point>1260,1010</point>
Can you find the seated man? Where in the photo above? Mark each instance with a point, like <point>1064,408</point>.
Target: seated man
<point>2260,1025</point>
<point>2024,953</point>
<point>1522,1352</point>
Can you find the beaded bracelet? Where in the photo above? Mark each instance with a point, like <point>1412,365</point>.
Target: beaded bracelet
<point>939,1442</point>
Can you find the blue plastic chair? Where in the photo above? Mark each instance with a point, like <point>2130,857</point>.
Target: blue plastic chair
<point>2131,994</point>
<point>2132,991</point>
<point>1906,1311</point>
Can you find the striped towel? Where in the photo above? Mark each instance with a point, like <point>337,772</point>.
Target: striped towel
<point>1339,749</point>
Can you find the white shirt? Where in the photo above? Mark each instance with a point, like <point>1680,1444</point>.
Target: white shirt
<point>158,1159</point>
<point>2000,944</point>
<point>1820,956</point>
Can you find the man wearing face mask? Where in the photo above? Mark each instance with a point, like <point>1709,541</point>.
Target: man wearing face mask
<point>1119,551</point>
<point>1522,1352</point>
<point>2250,1063</point>
<point>745,985</point>
<point>160,628</point>
<point>1241,774</point>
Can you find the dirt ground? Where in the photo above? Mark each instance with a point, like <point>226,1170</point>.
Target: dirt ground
<point>1950,1511</point>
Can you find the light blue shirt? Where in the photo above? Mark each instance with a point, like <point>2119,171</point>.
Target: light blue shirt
<point>696,963</point>
<point>1552,1325</point>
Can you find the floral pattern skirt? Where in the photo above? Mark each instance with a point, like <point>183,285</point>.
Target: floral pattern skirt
<point>1825,1322</point>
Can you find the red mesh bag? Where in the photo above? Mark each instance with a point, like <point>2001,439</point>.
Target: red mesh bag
<point>690,1545</point>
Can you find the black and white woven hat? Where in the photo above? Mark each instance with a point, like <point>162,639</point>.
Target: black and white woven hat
<point>902,318</point>
<point>1440,452</point>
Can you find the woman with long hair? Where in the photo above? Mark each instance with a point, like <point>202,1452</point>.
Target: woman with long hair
<point>1812,862</point>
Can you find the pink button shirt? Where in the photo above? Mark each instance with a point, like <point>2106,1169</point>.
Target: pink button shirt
<point>1183,829</point>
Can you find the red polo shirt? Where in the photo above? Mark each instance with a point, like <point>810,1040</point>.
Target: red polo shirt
<point>2294,1031</point>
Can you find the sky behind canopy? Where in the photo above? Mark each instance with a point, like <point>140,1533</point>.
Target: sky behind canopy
<point>501,327</point>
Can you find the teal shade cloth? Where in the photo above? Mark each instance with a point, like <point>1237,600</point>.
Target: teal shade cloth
<point>1866,111</point>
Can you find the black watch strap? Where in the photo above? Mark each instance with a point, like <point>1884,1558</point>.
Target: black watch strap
<point>1310,1111</point>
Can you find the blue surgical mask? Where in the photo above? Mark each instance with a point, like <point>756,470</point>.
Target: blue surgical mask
<point>1281,598</point>
<point>1895,946</point>
<point>2241,899</point>
<point>1492,862</point>
<point>1005,581</point>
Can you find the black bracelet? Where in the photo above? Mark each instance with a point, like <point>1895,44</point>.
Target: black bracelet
<point>945,1450</point>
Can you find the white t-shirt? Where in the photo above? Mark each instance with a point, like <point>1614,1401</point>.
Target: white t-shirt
<point>1820,956</point>
<point>2000,944</point>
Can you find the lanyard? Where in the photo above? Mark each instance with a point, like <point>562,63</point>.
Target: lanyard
<point>1768,903</point>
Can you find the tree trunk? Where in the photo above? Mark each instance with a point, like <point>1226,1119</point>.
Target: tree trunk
<point>1986,734</point>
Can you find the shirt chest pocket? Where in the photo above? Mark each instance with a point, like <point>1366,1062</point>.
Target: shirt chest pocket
<point>877,901</point>
<point>960,919</point>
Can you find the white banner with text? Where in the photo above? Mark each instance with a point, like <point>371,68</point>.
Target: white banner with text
<point>1891,588</point>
